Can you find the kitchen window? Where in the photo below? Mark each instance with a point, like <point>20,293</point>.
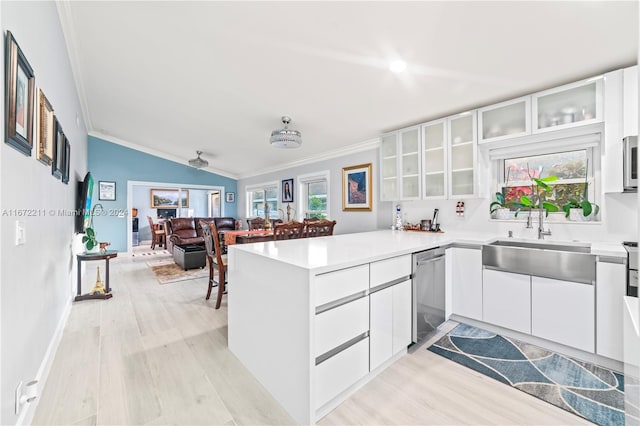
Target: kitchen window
<point>314,196</point>
<point>258,195</point>
<point>574,170</point>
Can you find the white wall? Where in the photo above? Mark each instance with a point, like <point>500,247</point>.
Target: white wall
<point>347,222</point>
<point>36,278</point>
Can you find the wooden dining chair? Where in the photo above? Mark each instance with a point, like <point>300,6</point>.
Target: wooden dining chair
<point>255,223</point>
<point>288,230</point>
<point>157,234</point>
<point>319,228</point>
<point>216,259</point>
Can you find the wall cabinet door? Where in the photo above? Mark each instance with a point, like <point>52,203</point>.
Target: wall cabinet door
<point>567,106</point>
<point>564,312</point>
<point>410,163</point>
<point>611,287</point>
<point>434,159</point>
<point>462,155</point>
<point>389,167</point>
<point>464,271</point>
<point>505,120</point>
<point>630,101</point>
<point>506,300</point>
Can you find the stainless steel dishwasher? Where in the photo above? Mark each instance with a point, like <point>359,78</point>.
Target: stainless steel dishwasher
<point>428,292</point>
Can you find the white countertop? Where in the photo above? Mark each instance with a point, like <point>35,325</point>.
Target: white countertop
<point>341,251</point>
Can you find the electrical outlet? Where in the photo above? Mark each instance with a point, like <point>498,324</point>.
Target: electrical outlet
<point>18,395</point>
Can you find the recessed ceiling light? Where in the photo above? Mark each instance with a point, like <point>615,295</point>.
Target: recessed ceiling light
<point>398,66</point>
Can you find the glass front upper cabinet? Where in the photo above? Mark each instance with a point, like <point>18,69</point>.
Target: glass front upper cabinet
<point>410,163</point>
<point>505,120</point>
<point>568,106</point>
<point>462,154</point>
<point>389,156</point>
<point>434,160</point>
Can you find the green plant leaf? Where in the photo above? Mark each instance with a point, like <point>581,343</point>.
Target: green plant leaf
<point>566,209</point>
<point>541,184</point>
<point>85,239</point>
<point>586,208</point>
<point>596,209</point>
<point>500,197</point>
<point>550,207</point>
<point>549,179</point>
<point>494,206</point>
<point>525,201</point>
<point>91,244</point>
<point>90,232</point>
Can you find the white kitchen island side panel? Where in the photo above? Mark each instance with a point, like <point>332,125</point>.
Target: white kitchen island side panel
<point>269,331</point>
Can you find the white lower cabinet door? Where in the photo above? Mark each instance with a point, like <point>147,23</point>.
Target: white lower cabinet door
<point>465,266</point>
<point>564,312</point>
<point>506,300</point>
<point>611,287</point>
<point>401,316</point>
<point>342,370</point>
<point>339,325</point>
<point>381,326</point>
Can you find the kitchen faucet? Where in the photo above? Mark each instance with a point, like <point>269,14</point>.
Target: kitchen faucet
<point>541,231</point>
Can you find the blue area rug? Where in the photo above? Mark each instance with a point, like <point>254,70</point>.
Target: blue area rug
<point>582,388</point>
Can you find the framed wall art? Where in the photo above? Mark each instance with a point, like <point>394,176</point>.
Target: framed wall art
<point>287,191</point>
<point>230,197</point>
<point>19,98</point>
<point>106,191</point>
<point>46,130</point>
<point>67,161</point>
<point>57,165</point>
<point>356,188</point>
<point>169,198</point>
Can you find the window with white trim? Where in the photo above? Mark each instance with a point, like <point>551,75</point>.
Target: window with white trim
<point>257,196</point>
<point>314,196</point>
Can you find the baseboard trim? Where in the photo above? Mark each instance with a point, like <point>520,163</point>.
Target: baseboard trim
<point>26,415</point>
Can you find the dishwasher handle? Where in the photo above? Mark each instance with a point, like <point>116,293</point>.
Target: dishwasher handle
<point>428,261</point>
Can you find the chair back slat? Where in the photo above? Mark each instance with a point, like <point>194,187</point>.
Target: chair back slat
<point>319,228</point>
<point>288,230</point>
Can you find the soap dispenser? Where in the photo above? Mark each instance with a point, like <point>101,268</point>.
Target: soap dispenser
<point>397,224</point>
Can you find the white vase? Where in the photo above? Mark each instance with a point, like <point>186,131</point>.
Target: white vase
<point>577,215</point>
<point>95,249</point>
<point>503,213</point>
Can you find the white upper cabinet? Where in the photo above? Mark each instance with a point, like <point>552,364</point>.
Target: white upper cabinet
<point>505,120</point>
<point>389,167</point>
<point>434,159</point>
<point>630,101</point>
<point>566,106</point>
<point>462,154</point>
<point>410,163</point>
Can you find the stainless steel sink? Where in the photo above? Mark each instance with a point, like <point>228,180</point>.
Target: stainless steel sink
<point>573,247</point>
<point>563,261</point>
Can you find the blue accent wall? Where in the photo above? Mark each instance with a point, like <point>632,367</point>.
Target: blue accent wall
<point>115,163</point>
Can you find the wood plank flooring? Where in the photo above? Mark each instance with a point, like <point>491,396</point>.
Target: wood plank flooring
<point>157,354</point>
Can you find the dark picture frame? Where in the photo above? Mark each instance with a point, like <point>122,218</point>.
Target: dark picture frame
<point>168,198</point>
<point>67,161</point>
<point>46,130</point>
<point>357,188</point>
<point>57,165</point>
<point>287,191</point>
<point>19,98</point>
<point>230,197</point>
<point>106,190</point>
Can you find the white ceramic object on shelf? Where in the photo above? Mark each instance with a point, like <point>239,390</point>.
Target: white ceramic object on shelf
<point>576,215</point>
<point>503,213</point>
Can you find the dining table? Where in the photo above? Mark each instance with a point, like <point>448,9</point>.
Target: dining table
<point>244,236</point>
<point>255,238</point>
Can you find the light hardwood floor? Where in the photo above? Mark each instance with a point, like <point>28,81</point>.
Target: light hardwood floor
<point>157,354</point>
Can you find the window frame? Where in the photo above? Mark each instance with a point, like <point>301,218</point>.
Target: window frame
<point>262,187</point>
<point>303,182</point>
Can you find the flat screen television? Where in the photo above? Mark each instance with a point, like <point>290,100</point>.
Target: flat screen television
<point>85,196</point>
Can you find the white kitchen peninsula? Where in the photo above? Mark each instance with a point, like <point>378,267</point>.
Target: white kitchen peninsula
<point>314,319</point>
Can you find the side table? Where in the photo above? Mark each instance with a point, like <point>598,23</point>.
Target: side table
<point>109,254</point>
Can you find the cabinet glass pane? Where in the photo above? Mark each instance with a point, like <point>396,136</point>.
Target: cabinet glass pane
<point>434,136</point>
<point>434,185</point>
<point>410,164</point>
<point>507,120</point>
<point>410,187</point>
<point>434,160</point>
<point>389,167</point>
<point>389,190</point>
<point>410,141</point>
<point>389,145</point>
<point>461,157</point>
<point>568,106</point>
<point>462,129</point>
<point>462,182</point>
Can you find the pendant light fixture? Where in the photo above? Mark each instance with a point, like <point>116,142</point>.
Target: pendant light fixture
<point>198,162</point>
<point>286,138</point>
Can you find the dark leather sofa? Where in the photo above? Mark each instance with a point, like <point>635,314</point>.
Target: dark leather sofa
<point>187,230</point>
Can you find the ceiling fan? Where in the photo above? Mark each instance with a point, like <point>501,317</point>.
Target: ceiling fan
<point>198,162</point>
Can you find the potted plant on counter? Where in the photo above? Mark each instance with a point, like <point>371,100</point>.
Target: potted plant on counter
<point>579,208</point>
<point>500,207</point>
<point>537,201</point>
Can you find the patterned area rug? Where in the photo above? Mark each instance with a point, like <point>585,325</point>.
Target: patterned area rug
<point>585,389</point>
<point>151,253</point>
<point>167,271</point>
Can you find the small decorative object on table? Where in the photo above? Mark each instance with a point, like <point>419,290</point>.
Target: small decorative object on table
<point>103,246</point>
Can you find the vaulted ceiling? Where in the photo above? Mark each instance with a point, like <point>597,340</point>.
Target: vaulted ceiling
<point>173,77</point>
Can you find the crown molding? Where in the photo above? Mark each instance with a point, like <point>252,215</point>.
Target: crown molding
<point>341,152</point>
<point>69,32</point>
<point>159,154</point>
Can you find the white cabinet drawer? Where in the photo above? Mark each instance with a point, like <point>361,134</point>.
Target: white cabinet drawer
<point>341,371</point>
<point>387,270</point>
<point>336,285</point>
<point>339,325</point>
